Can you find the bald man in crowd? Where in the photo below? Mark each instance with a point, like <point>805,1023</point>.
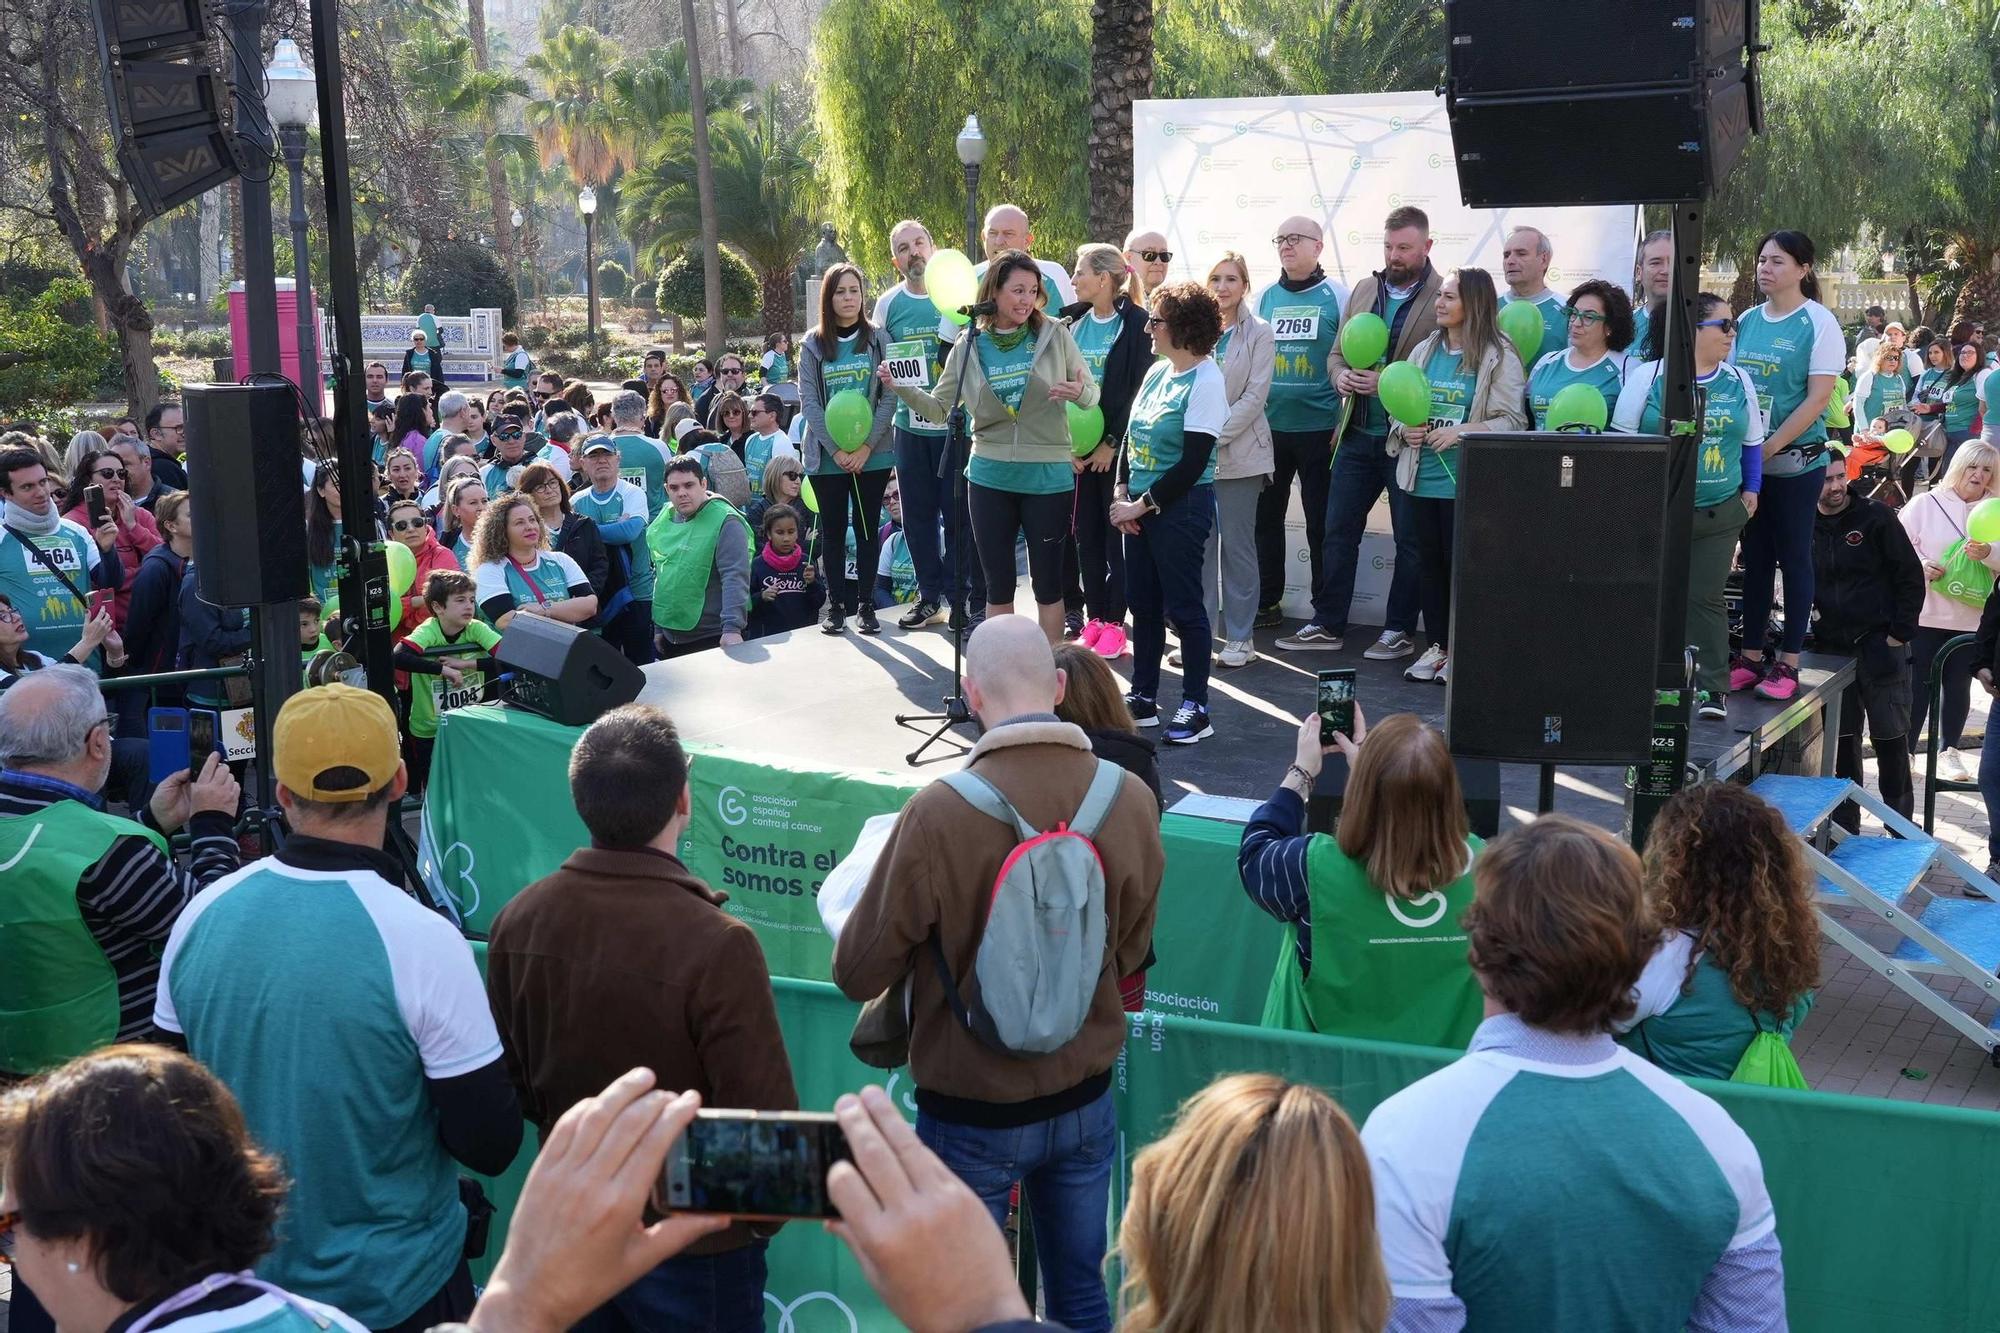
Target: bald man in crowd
<point>1525,256</point>
<point>1008,228</point>
<point>998,1116</point>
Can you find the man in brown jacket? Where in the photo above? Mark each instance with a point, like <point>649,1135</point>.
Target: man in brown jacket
<point>622,958</point>
<point>995,1117</point>
<point>1403,294</point>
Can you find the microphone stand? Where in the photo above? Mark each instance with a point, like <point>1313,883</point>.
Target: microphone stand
<point>958,447</point>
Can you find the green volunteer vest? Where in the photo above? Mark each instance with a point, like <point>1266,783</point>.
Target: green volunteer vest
<point>683,559</point>
<point>1383,968</point>
<point>58,992</point>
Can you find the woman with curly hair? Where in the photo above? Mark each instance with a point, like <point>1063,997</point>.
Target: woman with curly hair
<point>1740,953</point>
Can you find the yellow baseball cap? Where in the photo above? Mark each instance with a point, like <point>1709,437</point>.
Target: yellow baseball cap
<point>335,743</point>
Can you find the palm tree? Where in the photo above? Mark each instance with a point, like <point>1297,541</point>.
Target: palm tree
<point>711,259</point>
<point>574,120</point>
<point>489,119</point>
<point>1121,69</point>
<point>448,72</point>
<point>763,195</point>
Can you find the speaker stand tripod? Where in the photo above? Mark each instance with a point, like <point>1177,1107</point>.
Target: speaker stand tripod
<point>957,449</point>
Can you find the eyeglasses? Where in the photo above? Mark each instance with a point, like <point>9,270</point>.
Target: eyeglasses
<point>552,484</point>
<point>1725,324</point>
<point>109,473</point>
<point>405,524</point>
<point>1587,317</point>
<point>1290,238</point>
<point>1155,322</point>
<point>12,613</point>
<point>1156,256</point>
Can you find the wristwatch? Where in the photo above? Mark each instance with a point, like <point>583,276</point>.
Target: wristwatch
<point>1152,505</point>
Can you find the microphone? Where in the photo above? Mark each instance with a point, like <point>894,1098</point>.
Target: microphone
<point>978,308</point>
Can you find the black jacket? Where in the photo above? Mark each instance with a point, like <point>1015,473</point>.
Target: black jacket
<point>582,542</point>
<point>1132,752</point>
<point>433,366</point>
<point>1988,640</point>
<point>1868,584</point>
<point>1125,365</point>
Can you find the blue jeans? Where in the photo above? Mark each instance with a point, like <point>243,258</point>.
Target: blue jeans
<point>927,516</point>
<point>1989,790</point>
<point>689,1293</point>
<point>1065,1165</point>
<point>1780,536</point>
<point>1361,472</point>
<point>1162,583</point>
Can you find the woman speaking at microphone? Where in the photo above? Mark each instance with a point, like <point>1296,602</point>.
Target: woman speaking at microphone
<point>1016,378</point>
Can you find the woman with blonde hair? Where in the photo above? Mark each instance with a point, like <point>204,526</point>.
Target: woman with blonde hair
<point>1728,883</point>
<point>1256,1211</point>
<point>1111,336</point>
<point>1936,522</point>
<point>516,573</point>
<point>1243,463</point>
<point>1375,948</point>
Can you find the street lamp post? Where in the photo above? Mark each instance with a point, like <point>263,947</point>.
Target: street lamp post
<point>971,152</point>
<point>292,98</point>
<point>520,263</point>
<point>586,204</point>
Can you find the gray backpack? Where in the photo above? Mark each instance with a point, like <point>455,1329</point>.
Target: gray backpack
<point>1042,948</point>
<point>725,473</point>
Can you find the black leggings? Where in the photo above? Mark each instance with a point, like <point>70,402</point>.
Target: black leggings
<point>1433,521</point>
<point>997,516</point>
<point>840,493</point>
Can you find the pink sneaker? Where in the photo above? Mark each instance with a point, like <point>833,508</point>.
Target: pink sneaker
<point>1112,642</point>
<point>1092,631</point>
<point>1743,673</point>
<point>1780,683</point>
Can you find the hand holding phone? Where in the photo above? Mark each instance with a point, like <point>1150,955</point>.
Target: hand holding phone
<point>95,503</point>
<point>1336,703</point>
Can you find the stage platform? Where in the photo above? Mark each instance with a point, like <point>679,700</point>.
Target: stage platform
<point>830,702</point>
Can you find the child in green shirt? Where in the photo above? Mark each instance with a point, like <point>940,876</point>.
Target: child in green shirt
<point>439,684</point>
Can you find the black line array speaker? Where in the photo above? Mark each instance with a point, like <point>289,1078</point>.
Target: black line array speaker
<point>563,672</point>
<point>1558,102</point>
<point>166,99</point>
<point>1555,602</point>
<point>244,484</point>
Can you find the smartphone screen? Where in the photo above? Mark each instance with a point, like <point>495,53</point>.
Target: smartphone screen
<point>166,743</point>
<point>93,503</point>
<point>1336,703</point>
<point>201,736</point>
<point>766,1164</point>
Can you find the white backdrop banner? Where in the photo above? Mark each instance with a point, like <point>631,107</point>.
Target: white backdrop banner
<point>1220,174</point>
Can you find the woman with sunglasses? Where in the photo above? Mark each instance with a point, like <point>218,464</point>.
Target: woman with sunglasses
<point>666,390</point>
<point>783,483</point>
<point>17,659</point>
<point>569,532</point>
<point>1600,329</point>
<point>137,532</point>
<point>1794,350</point>
<point>408,525</point>
<point>1728,476</point>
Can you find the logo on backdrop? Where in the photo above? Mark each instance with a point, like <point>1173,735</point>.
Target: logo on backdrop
<point>1412,920</point>
<point>729,804</point>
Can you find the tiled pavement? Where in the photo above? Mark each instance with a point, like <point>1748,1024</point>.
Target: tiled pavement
<point>1864,1036</point>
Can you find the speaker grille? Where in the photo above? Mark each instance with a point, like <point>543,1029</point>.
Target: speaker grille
<point>1555,597</point>
<point>245,487</point>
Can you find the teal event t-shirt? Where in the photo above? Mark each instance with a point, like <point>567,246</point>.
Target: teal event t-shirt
<point>1167,407</point>
<point>1554,373</point>
<point>1452,386</point>
<point>1782,354</point>
<point>1374,421</point>
<point>1303,328</point>
<point>849,368</point>
<point>1094,337</point>
<point>906,318</point>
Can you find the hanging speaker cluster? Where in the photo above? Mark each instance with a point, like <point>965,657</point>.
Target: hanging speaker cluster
<point>166,99</point>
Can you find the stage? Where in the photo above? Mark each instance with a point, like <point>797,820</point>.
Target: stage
<point>830,702</point>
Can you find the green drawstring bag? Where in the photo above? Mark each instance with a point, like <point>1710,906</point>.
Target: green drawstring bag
<point>1965,579</point>
<point>1768,1061</point>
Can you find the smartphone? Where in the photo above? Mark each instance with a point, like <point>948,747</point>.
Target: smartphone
<point>204,734</point>
<point>755,1164</point>
<point>166,743</point>
<point>100,600</point>
<point>1336,703</point>
<point>93,501</point>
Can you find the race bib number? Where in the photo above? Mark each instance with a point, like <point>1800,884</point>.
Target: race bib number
<point>450,696</point>
<point>1295,323</point>
<point>635,475</point>
<point>1764,404</point>
<point>909,364</point>
<point>60,554</point>
<point>1447,414</point>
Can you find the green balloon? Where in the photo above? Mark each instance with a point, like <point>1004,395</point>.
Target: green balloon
<point>1983,523</point>
<point>1086,428</point>
<point>848,417</point>
<point>1578,406</point>
<point>1364,340</point>
<point>402,570</point>
<point>1405,392</point>
<point>951,283</point>
<point>1521,321</point>
<point>808,497</point>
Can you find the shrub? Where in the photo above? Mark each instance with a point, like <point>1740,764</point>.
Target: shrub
<point>680,287</point>
<point>457,276</point>
<point>613,281</point>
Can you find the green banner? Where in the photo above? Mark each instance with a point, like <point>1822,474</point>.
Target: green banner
<point>498,817</point>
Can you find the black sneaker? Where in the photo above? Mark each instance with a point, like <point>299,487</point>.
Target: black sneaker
<point>832,620</point>
<point>1190,724</point>
<point>1072,626</point>
<point>865,621</point>
<point>1144,711</point>
<point>1268,617</point>
<point>923,613</point>
<point>1714,707</point>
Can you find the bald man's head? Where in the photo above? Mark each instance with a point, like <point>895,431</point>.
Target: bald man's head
<point>1007,228</point>
<point>1152,272</point>
<point>1010,670</point>
<point>1299,241</point>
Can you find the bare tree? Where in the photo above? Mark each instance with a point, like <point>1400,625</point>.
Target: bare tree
<point>704,165</point>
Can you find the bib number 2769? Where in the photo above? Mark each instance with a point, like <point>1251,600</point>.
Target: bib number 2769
<point>1295,324</point>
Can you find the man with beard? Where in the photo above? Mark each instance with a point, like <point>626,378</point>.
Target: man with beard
<point>910,322</point>
<point>1403,295</point>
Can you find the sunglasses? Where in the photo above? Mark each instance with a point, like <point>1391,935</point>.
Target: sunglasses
<point>405,524</point>
<point>793,476</point>
<point>1156,256</point>
<point>1725,324</point>
<point>109,474</point>
<point>514,434</point>
<point>732,370</point>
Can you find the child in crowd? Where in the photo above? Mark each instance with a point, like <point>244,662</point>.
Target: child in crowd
<point>439,684</point>
<point>785,593</point>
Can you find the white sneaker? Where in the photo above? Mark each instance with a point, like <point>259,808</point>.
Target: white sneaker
<point>1392,645</point>
<point>1236,653</point>
<point>1428,666</point>
<point>1443,676</point>
<point>1174,659</point>
<point>1951,766</point>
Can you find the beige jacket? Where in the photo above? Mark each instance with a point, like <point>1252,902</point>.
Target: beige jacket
<point>1039,433</point>
<point>1418,325</point>
<point>1244,447</point>
<point>1499,394</point>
